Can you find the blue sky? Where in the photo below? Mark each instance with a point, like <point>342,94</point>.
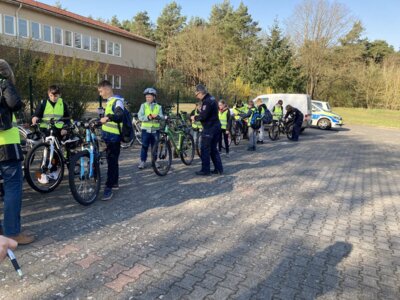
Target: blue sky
<point>381,19</point>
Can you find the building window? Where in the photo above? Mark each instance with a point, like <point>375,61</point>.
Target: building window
<point>35,28</point>
<point>117,82</point>
<point>47,35</point>
<point>110,48</point>
<point>77,40</point>
<point>9,25</point>
<point>86,42</point>
<point>58,36</point>
<point>68,38</point>
<point>95,44</point>
<point>102,46</point>
<point>117,49</point>
<point>23,28</point>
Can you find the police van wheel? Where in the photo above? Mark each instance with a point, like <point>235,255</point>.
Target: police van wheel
<point>324,124</point>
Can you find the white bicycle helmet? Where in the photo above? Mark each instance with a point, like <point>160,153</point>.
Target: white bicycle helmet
<point>150,91</point>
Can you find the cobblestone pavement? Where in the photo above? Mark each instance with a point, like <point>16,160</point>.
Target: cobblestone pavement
<point>318,219</point>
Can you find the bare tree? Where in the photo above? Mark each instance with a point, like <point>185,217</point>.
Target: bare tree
<point>314,28</point>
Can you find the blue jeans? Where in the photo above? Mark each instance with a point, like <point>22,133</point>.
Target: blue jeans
<point>148,139</point>
<point>11,171</point>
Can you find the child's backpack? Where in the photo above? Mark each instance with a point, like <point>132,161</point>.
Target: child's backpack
<point>126,130</point>
<point>267,116</point>
<point>255,121</point>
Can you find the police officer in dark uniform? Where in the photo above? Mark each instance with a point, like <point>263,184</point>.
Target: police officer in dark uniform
<point>297,118</point>
<point>209,119</point>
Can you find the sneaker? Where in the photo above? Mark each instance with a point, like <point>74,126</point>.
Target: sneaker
<point>43,179</point>
<point>107,195</point>
<point>115,187</point>
<point>54,175</point>
<point>22,238</point>
<point>260,142</point>
<point>141,165</point>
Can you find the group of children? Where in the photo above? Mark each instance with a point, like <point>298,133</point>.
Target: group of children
<point>240,115</point>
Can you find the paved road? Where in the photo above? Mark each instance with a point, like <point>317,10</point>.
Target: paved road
<point>318,219</point>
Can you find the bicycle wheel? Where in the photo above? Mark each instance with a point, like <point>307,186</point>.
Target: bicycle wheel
<point>273,132</point>
<point>289,131</point>
<point>41,174</point>
<point>198,144</point>
<point>161,158</point>
<point>237,136</point>
<point>85,187</point>
<point>187,149</point>
<point>138,132</point>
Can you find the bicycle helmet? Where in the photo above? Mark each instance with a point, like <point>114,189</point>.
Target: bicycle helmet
<point>150,91</point>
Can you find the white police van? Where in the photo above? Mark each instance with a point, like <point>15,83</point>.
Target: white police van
<point>300,101</point>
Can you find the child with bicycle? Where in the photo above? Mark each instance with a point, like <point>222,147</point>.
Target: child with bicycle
<point>224,115</point>
<point>114,114</point>
<point>150,114</point>
<point>53,108</point>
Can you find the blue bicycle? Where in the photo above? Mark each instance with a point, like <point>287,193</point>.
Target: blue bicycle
<point>84,168</point>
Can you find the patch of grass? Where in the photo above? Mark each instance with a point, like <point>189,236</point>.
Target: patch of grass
<point>372,117</point>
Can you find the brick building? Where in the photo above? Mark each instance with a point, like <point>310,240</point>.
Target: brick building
<point>130,58</point>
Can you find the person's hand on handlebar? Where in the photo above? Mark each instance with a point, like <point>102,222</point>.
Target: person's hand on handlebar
<point>35,120</point>
<point>104,120</point>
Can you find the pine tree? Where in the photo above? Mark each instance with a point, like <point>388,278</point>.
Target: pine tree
<point>142,25</point>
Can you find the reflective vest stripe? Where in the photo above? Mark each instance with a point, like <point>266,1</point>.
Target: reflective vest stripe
<point>153,124</point>
<point>223,118</point>
<point>110,126</point>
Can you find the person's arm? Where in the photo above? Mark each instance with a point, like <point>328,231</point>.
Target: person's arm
<point>66,115</point>
<point>229,125</point>
<point>205,112</point>
<point>246,115</point>
<point>286,115</point>
<point>141,115</point>
<point>11,96</point>
<point>118,114</point>
<point>40,109</point>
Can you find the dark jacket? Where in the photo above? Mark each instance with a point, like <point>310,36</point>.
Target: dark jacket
<point>296,115</point>
<point>10,101</point>
<point>209,114</point>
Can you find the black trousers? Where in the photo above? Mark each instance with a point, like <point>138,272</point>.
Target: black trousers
<point>296,131</point>
<point>113,150</point>
<point>209,141</point>
<point>225,135</point>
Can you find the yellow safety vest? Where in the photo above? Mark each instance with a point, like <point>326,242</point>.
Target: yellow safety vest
<point>55,112</point>
<point>196,124</point>
<point>110,126</point>
<point>223,118</point>
<point>152,124</point>
<point>278,112</point>
<point>10,136</point>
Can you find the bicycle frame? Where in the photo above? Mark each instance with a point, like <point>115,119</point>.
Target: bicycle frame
<point>171,136</point>
<point>92,149</point>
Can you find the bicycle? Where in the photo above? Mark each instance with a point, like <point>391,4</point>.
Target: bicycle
<point>236,132</point>
<point>84,168</point>
<point>280,127</point>
<point>45,162</point>
<point>181,140</point>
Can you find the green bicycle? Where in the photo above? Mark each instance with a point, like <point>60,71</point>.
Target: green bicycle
<point>182,141</point>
